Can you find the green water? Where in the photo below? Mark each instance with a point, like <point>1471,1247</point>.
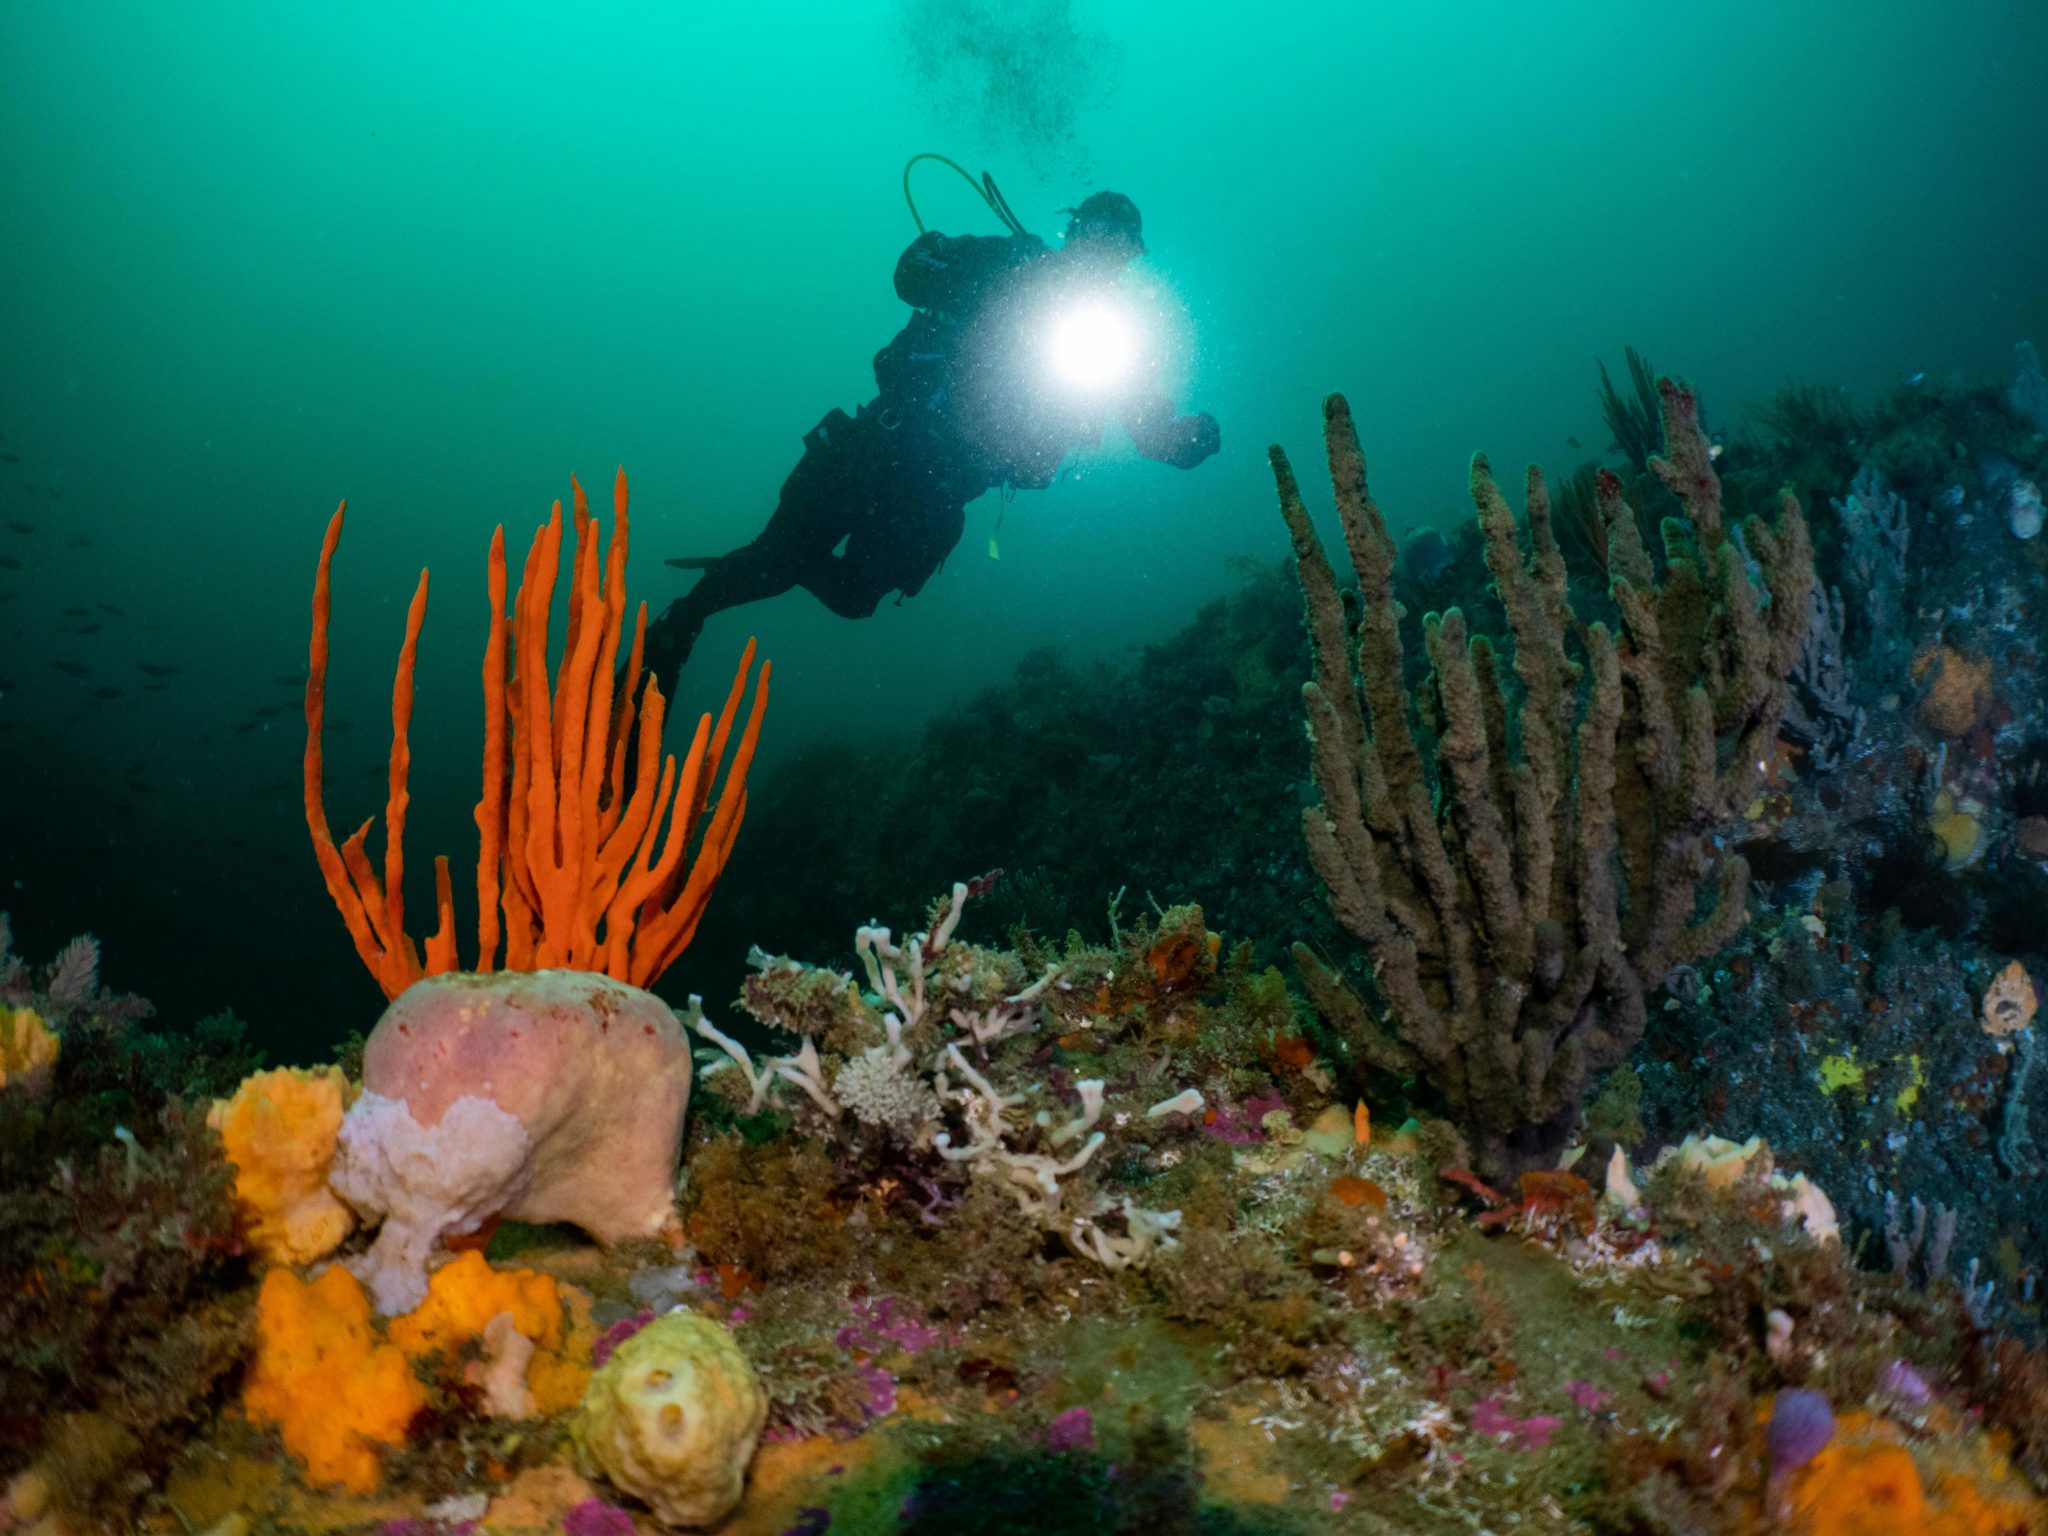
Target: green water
<point>257,258</point>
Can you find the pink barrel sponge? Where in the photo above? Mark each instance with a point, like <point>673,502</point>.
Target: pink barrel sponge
<point>542,1096</point>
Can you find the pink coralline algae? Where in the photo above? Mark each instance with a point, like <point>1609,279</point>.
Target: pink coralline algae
<point>1247,1122</point>
<point>883,1321</point>
<point>617,1334</point>
<point>1073,1430</point>
<point>879,1394</point>
<point>1906,1386</point>
<point>594,1517</point>
<point>1583,1394</point>
<point>1490,1417</point>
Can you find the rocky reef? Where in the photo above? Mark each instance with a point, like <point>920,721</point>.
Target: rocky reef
<point>1619,1114</point>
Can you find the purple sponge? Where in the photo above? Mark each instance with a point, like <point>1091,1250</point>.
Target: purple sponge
<point>1802,1423</point>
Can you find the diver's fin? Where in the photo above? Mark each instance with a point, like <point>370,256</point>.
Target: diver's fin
<point>693,562</point>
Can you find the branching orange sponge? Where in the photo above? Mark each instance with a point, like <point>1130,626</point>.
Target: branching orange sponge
<point>336,1391</point>
<point>573,870</point>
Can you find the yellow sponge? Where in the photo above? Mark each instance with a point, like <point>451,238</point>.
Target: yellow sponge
<point>28,1048</point>
<point>280,1130</point>
<point>673,1418</point>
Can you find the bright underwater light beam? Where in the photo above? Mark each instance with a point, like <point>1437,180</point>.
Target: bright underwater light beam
<point>1092,345</point>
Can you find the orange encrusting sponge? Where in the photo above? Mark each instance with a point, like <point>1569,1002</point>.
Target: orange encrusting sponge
<point>465,1295</point>
<point>337,1393</point>
<point>341,1391</point>
<point>1867,1483</point>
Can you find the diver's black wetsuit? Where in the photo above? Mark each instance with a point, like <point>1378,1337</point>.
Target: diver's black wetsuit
<point>879,498</point>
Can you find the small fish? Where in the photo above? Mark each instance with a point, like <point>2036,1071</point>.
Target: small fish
<point>1571,442</point>
<point>272,711</point>
<point>115,609</point>
<point>289,679</point>
<point>155,687</point>
<point>72,669</point>
<point>10,458</point>
<point>108,691</point>
<point>1917,379</point>
<point>81,541</point>
<point>9,563</point>
<point>21,527</point>
<point>77,613</point>
<point>246,727</point>
<point>157,668</point>
<point>88,629</point>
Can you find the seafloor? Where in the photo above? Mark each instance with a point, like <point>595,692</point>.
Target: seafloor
<point>1307,1208</point>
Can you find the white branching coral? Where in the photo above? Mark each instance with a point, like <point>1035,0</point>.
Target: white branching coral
<point>935,1003</point>
<point>803,1069</point>
<point>1034,1178</point>
<point>883,1092</point>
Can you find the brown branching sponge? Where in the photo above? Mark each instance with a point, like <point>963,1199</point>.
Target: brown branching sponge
<point>1525,858</point>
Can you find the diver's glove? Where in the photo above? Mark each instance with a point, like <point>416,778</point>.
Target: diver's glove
<point>669,641</point>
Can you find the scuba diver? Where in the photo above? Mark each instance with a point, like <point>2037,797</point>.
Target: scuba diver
<point>964,404</point>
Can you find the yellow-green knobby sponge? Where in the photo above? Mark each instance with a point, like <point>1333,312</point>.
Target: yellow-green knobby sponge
<point>673,1418</point>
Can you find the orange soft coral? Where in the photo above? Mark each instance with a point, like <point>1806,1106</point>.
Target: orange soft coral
<point>574,869</point>
<point>336,1392</point>
<point>1867,1482</point>
<point>465,1295</point>
<point>1960,695</point>
<point>280,1130</point>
